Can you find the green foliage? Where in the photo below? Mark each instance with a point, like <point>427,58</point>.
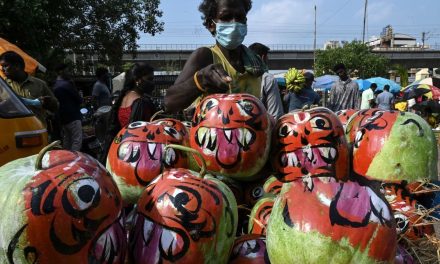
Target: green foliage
<point>403,73</point>
<point>356,56</point>
<point>46,29</point>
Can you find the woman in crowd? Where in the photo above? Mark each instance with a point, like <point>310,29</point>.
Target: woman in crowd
<point>134,103</point>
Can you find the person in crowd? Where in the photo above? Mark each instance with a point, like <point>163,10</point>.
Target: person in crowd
<point>344,93</point>
<point>226,67</point>
<point>69,111</point>
<point>385,100</point>
<point>101,93</point>
<point>134,102</point>
<point>368,100</point>
<point>270,93</point>
<point>306,96</point>
<point>41,97</point>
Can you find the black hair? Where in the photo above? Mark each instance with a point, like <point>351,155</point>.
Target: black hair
<point>338,67</point>
<point>373,85</point>
<point>60,67</point>
<point>136,72</point>
<point>259,49</point>
<point>100,72</point>
<point>208,8</point>
<point>13,58</point>
<point>386,87</point>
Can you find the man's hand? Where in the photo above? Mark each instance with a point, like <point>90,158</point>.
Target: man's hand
<point>45,101</point>
<point>214,79</point>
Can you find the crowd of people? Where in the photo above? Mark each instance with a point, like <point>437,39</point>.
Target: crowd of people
<point>226,67</point>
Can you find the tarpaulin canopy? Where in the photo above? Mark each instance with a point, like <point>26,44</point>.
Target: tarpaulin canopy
<point>31,65</point>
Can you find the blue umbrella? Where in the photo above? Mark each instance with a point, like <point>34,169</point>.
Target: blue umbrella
<point>381,82</point>
<point>363,84</point>
<point>324,82</point>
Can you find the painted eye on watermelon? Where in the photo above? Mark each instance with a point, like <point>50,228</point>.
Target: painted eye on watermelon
<point>136,124</point>
<point>83,193</point>
<point>248,108</point>
<point>321,123</point>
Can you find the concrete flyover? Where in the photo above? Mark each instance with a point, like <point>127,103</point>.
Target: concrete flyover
<point>166,57</point>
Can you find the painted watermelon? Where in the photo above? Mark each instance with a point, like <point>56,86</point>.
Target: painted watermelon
<point>330,223</point>
<point>232,132</point>
<point>392,146</point>
<point>60,207</point>
<point>135,156</point>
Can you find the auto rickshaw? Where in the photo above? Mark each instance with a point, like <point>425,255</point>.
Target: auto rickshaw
<point>21,132</point>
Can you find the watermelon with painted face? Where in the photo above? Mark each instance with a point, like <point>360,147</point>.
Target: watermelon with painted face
<point>324,221</point>
<point>184,217</point>
<point>62,207</point>
<point>392,146</point>
<point>232,132</point>
<point>135,157</point>
<point>309,143</point>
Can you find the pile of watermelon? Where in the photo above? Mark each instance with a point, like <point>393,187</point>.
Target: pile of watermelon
<point>233,186</point>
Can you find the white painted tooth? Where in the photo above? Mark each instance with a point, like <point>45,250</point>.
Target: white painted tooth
<point>201,132</point>
<point>289,160</point>
<point>332,153</point>
<point>213,134</point>
<point>248,136</point>
<point>358,136</point>
<point>228,134</point>
<point>325,151</point>
<point>151,148</point>
<point>168,239</point>
<point>135,150</point>
<point>292,159</point>
<point>241,134</point>
<point>308,151</point>
<point>170,156</point>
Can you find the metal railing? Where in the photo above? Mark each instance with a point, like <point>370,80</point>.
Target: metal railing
<point>273,47</point>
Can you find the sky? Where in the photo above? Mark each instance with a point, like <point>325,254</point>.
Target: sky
<point>291,22</point>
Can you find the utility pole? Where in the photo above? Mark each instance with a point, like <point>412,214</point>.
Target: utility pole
<point>365,19</point>
<point>424,38</point>
<point>314,44</point>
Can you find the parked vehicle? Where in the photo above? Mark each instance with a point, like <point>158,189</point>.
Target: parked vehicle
<point>22,133</point>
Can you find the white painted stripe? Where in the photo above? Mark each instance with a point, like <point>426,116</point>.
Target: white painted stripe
<point>30,133</point>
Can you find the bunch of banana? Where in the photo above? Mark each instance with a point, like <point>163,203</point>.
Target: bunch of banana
<point>294,79</point>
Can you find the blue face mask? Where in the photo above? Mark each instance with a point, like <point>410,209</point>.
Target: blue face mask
<point>230,35</point>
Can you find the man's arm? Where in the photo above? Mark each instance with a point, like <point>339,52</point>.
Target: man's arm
<point>357,96</point>
<point>273,98</point>
<point>211,78</point>
<point>49,101</point>
<point>332,96</point>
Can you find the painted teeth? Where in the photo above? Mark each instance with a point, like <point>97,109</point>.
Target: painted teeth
<point>167,240</point>
<point>151,149</point>
<point>308,151</point>
<point>292,160</point>
<point>328,152</point>
<point>201,135</point>
<point>244,137</point>
<point>228,134</point>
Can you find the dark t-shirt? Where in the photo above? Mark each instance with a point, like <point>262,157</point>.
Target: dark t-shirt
<point>70,101</point>
<point>305,96</point>
<point>102,94</point>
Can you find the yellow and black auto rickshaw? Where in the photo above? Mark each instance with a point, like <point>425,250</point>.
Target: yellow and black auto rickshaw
<point>21,132</point>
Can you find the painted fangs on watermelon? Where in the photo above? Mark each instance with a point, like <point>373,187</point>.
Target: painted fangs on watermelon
<point>309,158</point>
<point>227,144</point>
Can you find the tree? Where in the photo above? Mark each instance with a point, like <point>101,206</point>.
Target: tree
<point>356,56</point>
<point>47,29</point>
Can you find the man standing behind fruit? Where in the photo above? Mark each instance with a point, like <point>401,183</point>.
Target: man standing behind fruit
<point>28,86</point>
<point>228,66</point>
<point>344,93</point>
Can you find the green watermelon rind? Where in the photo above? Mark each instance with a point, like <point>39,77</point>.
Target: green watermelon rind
<point>14,176</point>
<point>404,159</point>
<point>292,245</point>
<point>266,197</point>
<point>223,246</point>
